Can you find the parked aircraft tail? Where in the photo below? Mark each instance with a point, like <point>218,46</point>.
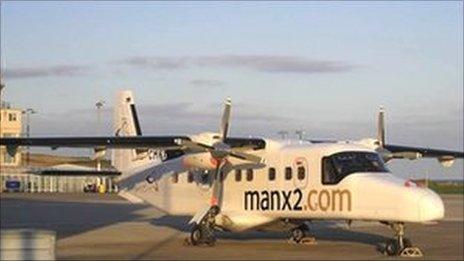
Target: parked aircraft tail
<point>126,123</point>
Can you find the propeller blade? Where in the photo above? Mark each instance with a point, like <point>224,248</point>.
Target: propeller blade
<point>224,128</point>
<point>381,127</point>
<point>194,146</point>
<point>216,197</point>
<point>246,156</point>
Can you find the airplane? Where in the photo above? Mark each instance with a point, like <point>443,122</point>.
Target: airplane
<point>237,184</point>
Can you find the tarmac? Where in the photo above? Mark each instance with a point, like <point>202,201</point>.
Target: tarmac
<point>94,226</point>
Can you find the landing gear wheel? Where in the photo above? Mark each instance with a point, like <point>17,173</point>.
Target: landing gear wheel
<point>196,235</point>
<point>391,248</point>
<point>400,245</point>
<point>298,234</point>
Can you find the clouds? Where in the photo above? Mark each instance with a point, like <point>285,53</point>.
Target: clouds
<point>45,71</point>
<point>259,63</point>
<point>206,83</point>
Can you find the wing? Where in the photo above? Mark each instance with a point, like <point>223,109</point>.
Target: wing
<point>445,157</point>
<point>424,152</point>
<point>126,142</point>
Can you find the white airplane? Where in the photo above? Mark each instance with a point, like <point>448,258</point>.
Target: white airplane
<point>238,184</point>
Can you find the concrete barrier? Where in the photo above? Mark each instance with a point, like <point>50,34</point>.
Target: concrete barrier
<point>27,244</point>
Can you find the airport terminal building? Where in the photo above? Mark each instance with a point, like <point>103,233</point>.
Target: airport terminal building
<point>10,126</point>
<point>20,175</point>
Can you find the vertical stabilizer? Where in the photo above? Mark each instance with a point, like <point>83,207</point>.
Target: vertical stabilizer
<point>126,123</point>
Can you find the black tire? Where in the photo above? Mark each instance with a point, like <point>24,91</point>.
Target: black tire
<point>298,234</point>
<point>407,242</point>
<point>392,248</point>
<point>196,235</point>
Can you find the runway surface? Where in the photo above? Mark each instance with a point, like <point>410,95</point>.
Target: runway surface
<point>92,226</point>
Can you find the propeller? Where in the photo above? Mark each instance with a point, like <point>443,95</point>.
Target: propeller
<point>219,152</point>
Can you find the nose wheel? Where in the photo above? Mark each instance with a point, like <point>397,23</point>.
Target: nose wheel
<point>203,232</point>
<point>400,245</point>
<point>299,235</point>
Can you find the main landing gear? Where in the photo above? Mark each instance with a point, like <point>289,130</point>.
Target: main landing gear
<point>400,245</point>
<point>298,235</point>
<point>203,232</point>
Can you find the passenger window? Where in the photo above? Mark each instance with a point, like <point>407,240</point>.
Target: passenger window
<point>175,177</point>
<point>288,173</point>
<point>238,175</point>
<point>272,174</point>
<point>190,177</point>
<point>249,175</point>
<point>301,172</point>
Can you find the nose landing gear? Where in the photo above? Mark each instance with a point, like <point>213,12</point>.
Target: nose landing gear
<point>400,245</point>
<point>203,232</point>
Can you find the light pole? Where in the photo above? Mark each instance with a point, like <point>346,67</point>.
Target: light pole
<point>28,112</point>
<point>99,154</point>
<point>99,104</point>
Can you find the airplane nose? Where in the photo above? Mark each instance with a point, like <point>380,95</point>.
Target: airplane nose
<point>431,207</point>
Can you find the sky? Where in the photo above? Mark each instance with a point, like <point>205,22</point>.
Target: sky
<point>322,67</point>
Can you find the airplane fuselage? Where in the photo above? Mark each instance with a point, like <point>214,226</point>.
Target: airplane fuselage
<point>290,185</point>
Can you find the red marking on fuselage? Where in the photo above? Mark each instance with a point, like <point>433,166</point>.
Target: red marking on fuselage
<point>214,201</point>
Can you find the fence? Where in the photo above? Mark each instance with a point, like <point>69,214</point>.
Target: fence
<point>63,184</point>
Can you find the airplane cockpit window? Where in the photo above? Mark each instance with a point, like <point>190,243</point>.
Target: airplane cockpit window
<point>339,165</point>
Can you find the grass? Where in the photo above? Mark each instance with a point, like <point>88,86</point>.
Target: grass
<point>442,187</point>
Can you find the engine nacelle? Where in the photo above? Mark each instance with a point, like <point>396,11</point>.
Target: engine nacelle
<point>200,161</point>
<point>446,161</point>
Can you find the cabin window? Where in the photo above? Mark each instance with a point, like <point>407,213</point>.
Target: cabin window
<point>238,175</point>
<point>301,172</point>
<point>175,177</point>
<point>190,177</point>
<point>288,173</point>
<point>272,174</point>
<point>249,175</point>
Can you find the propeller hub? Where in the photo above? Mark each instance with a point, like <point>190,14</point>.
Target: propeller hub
<point>221,150</point>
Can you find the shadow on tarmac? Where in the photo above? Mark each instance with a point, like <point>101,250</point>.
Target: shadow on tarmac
<point>180,223</point>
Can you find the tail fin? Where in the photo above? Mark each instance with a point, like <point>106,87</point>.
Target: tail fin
<point>126,123</point>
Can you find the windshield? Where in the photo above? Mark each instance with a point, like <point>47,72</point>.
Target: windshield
<point>337,166</point>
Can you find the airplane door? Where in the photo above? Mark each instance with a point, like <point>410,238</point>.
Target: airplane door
<point>300,169</point>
